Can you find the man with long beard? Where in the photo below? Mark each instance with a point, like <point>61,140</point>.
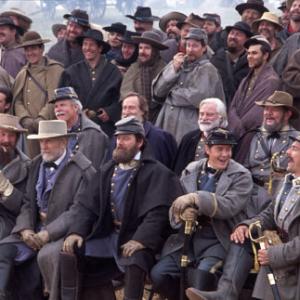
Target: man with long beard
<point>130,214</point>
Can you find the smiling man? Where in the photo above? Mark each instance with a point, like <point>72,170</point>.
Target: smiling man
<point>218,190</point>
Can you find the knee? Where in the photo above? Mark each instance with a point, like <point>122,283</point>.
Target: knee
<point>157,276</point>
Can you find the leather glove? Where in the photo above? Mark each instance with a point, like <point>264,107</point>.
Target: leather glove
<point>42,238</point>
<point>189,214</point>
<point>130,247</point>
<point>6,188</point>
<point>182,202</point>
<point>71,241</point>
<point>28,237</point>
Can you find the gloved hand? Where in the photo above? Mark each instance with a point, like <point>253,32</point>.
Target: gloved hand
<point>130,247</point>
<point>182,202</point>
<point>190,214</point>
<point>71,241</point>
<point>6,188</point>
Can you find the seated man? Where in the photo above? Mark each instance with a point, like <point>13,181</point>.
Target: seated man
<point>130,214</point>
<point>56,181</point>
<point>218,191</point>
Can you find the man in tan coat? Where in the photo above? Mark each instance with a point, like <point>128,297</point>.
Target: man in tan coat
<point>34,87</point>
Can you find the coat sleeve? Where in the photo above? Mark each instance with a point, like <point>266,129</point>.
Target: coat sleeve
<point>13,202</point>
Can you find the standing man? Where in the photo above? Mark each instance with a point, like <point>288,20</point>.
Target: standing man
<point>90,139</point>
<point>130,216</point>
<point>183,84</point>
<point>56,182</point>
<point>34,87</point>
<point>12,58</point>
<point>96,81</point>
<point>67,50</point>
<point>140,75</point>
<point>259,84</point>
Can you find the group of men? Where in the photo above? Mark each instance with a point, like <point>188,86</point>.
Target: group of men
<point>109,147</point>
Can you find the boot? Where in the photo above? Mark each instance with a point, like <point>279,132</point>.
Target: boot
<point>201,280</point>
<point>235,272</point>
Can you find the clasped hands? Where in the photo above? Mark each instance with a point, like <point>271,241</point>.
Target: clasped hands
<point>35,240</point>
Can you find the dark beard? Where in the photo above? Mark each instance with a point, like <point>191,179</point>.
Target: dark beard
<point>6,156</point>
<point>232,50</point>
<point>124,156</point>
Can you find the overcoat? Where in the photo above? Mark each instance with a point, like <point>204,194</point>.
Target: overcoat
<point>104,93</point>
<point>226,206</point>
<point>183,91</point>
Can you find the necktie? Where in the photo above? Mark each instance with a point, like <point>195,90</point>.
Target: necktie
<point>50,164</point>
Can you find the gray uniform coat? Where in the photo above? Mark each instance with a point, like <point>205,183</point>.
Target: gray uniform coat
<point>182,92</point>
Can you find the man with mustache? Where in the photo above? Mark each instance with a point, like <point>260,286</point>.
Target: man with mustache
<point>90,139</point>
<point>168,24</point>
<point>212,114</point>
<point>232,62</point>
<point>140,74</point>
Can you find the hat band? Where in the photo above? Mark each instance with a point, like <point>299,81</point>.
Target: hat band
<point>78,20</point>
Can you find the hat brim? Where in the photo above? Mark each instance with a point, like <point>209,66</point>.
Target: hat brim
<point>8,13</point>
<point>84,24</point>
<point>179,25</point>
<point>105,45</point>
<point>114,29</point>
<point>63,98</point>
<point>172,16</point>
<point>255,24</point>
<point>241,7</point>
<point>221,142</point>
<point>151,42</point>
<point>34,43</point>
<point>248,33</point>
<point>49,136</point>
<point>14,129</point>
<point>295,111</point>
<point>143,19</point>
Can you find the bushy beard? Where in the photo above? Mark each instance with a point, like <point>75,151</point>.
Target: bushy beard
<point>124,156</point>
<point>208,127</point>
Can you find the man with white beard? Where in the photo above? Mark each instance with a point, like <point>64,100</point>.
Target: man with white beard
<point>212,114</point>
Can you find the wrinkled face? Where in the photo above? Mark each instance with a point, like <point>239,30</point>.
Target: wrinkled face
<point>8,139</point>
<point>7,35</point>
<point>267,29</point>
<point>4,107</point>
<point>275,117</point>
<point>145,52</point>
<point>131,107</point>
<point>127,146</point>
<point>219,156</point>
<point>142,26</point>
<point>114,39</point>
<point>172,30</point>
<point>73,31</point>
<point>194,50</point>
<point>295,11</point>
<point>91,50</point>
<point>210,27</point>
<point>236,40</point>
<point>52,149</point>
<point>127,50</point>
<point>293,154</point>
<point>255,57</point>
<point>249,15</point>
<point>34,54</point>
<point>209,117</point>
<point>66,110</point>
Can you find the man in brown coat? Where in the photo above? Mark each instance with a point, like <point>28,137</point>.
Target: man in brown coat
<point>34,86</point>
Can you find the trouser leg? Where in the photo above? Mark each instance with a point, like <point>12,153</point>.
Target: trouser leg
<point>134,282</point>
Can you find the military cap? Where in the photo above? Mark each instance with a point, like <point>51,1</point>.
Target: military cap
<point>63,93</point>
<point>197,34</point>
<point>129,125</point>
<point>220,136</point>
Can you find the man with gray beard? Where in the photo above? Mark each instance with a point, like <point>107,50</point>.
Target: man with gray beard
<point>212,114</point>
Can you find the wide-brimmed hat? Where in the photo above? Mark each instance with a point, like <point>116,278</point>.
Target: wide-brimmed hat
<point>253,4</point>
<point>78,16</point>
<point>220,136</point>
<point>280,98</point>
<point>24,21</point>
<point>197,34</point>
<point>32,38</point>
<point>11,123</point>
<point>193,20</point>
<point>129,125</point>
<point>62,93</point>
<point>143,14</point>
<point>51,129</point>
<point>282,5</point>
<point>173,15</point>
<point>57,27</point>
<point>258,40</point>
<point>152,38</point>
<point>241,26</point>
<point>8,21</point>
<point>95,35</point>
<point>269,17</point>
<point>127,38</point>
<point>116,27</point>
<point>212,17</point>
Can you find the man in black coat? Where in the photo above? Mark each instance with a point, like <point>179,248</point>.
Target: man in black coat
<point>96,81</point>
<point>130,215</point>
